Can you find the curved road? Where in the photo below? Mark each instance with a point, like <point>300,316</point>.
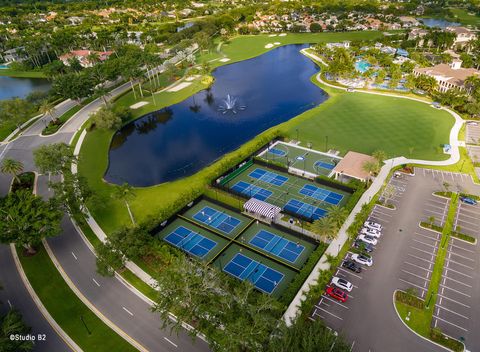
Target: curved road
<point>110,296</point>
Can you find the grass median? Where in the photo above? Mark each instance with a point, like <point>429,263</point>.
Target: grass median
<point>67,309</point>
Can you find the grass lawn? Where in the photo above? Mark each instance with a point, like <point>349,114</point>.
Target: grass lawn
<point>462,16</point>
<point>51,129</point>
<point>248,46</point>
<point>22,74</point>
<point>66,308</point>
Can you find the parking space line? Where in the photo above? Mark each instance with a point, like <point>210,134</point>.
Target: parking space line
<point>458,272</point>
<point>418,266</point>
<point>426,244</point>
<point>454,262</point>
<point>458,282</point>
<point>452,289</point>
<point>461,256</point>
<point>409,283</point>
<point>420,277</point>
<point>358,276</point>
<point>326,311</point>
<point>425,260</point>
<point>463,249</point>
<point>454,301</point>
<point>332,300</point>
<point>452,311</point>
<point>429,237</point>
<point>421,250</point>
<point>446,321</point>
<point>461,214</point>
<point>377,219</point>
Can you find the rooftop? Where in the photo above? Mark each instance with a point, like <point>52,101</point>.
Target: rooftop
<point>352,165</point>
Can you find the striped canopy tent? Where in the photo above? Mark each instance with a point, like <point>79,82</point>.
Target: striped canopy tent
<point>261,208</point>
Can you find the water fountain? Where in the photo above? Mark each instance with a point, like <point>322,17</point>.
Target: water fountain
<point>230,105</point>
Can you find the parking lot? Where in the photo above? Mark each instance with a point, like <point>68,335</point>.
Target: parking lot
<point>473,134</point>
<point>404,257</point>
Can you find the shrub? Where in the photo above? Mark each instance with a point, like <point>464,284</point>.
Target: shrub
<point>410,298</point>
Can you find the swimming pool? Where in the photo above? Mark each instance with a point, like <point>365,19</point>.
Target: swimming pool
<point>362,66</point>
<point>4,67</point>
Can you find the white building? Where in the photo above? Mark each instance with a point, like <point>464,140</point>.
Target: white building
<point>463,35</point>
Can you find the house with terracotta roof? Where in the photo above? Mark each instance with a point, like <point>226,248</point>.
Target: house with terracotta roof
<point>85,57</point>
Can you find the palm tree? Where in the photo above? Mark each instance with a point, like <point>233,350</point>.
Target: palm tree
<point>337,215</point>
<point>47,108</point>
<point>125,193</point>
<point>380,155</point>
<point>325,227</point>
<point>372,167</point>
<point>12,167</point>
<point>103,93</point>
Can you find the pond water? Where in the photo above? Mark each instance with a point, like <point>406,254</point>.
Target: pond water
<point>20,87</point>
<point>182,139</point>
<point>437,22</point>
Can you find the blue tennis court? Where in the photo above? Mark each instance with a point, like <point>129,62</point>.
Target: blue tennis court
<point>261,276</point>
<point>217,219</point>
<point>268,176</point>
<point>277,152</point>
<point>304,209</point>
<point>190,241</point>
<point>321,194</point>
<point>277,245</point>
<point>324,165</point>
<point>251,191</point>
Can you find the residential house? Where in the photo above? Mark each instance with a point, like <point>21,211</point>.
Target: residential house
<point>83,56</point>
<point>463,36</point>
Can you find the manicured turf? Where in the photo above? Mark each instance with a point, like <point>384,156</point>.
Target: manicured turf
<point>22,74</point>
<point>66,308</point>
<point>365,123</point>
<point>462,16</point>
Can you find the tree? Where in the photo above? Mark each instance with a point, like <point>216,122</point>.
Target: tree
<point>26,219</point>
<point>388,193</point>
<point>54,159</point>
<point>372,167</point>
<point>12,324</point>
<point>446,186</point>
<point>380,155</point>
<point>73,192</point>
<point>48,108</point>
<point>125,193</point>
<point>307,336</point>
<point>107,119</point>
<point>14,111</point>
<point>337,215</point>
<point>326,227</point>
<point>12,167</point>
<point>75,86</point>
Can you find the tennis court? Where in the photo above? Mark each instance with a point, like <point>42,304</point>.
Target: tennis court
<point>293,194</point>
<point>303,159</point>
<point>218,218</point>
<point>192,239</point>
<point>265,274</point>
<point>277,244</point>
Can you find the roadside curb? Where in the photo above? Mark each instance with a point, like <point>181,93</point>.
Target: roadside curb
<point>63,335</point>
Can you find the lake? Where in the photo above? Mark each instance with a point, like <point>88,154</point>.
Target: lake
<point>437,22</point>
<point>182,139</point>
<point>20,87</point>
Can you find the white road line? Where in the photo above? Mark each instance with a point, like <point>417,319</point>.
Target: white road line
<point>458,272</point>
<point>409,283</point>
<point>451,289</point>
<point>461,256</point>
<point>454,262</point>
<point>426,244</point>
<point>429,237</point>
<point>461,248</point>
<point>418,266</point>
<point>454,301</point>
<point>421,250</point>
<point>96,283</point>
<point>170,342</point>
<point>420,277</point>
<point>351,347</point>
<point>466,214</point>
<point>126,310</point>
<point>74,256</point>
<point>326,311</point>
<point>332,300</point>
<point>358,276</point>
<point>453,312</point>
<point>9,303</point>
<point>425,260</point>
<point>458,282</point>
<point>446,321</point>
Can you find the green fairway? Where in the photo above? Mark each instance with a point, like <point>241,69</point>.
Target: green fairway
<point>462,16</point>
<point>22,74</point>
<point>365,123</point>
<point>67,309</point>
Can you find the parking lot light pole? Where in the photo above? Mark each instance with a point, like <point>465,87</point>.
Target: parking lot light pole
<point>338,251</point>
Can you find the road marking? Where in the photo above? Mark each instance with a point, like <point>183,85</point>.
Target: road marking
<point>425,260</point>
<point>74,256</point>
<point>453,261</point>
<point>428,237</point>
<point>351,347</point>
<point>454,301</point>
<point>418,266</point>
<point>326,311</point>
<point>9,303</point>
<point>426,244</point>
<point>170,342</point>
<point>421,250</point>
<point>453,312</point>
<point>458,272</point>
<point>461,256</point>
<point>446,321</point>
<point>463,249</point>
<point>332,300</point>
<point>350,272</point>
<point>420,277</point>
<point>409,283</point>
<point>459,282</point>
<point>451,289</point>
<point>126,310</point>
<point>96,283</point>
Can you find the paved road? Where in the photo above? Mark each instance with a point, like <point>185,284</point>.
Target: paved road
<point>110,296</point>
<point>15,293</point>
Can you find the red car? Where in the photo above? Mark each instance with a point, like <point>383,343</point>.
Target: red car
<point>337,293</point>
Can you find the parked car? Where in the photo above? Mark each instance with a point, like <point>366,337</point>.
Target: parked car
<point>351,265</point>
<point>367,247</point>
<point>350,89</point>
<point>362,259</point>
<point>368,239</point>
<point>468,200</point>
<point>336,293</point>
<point>472,123</point>
<point>373,225</point>
<point>370,232</point>
<point>342,283</point>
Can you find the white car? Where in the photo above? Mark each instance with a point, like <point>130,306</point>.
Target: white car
<point>373,225</point>
<point>368,239</point>
<point>342,283</point>
<point>371,232</point>
<point>472,123</point>
<point>362,259</point>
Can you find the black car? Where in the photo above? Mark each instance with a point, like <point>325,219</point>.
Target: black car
<point>367,247</point>
<point>351,265</point>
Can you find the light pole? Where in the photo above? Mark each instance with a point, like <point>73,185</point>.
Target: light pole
<point>326,143</point>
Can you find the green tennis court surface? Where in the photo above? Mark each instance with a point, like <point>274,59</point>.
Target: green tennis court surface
<point>293,194</point>
<point>303,159</point>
